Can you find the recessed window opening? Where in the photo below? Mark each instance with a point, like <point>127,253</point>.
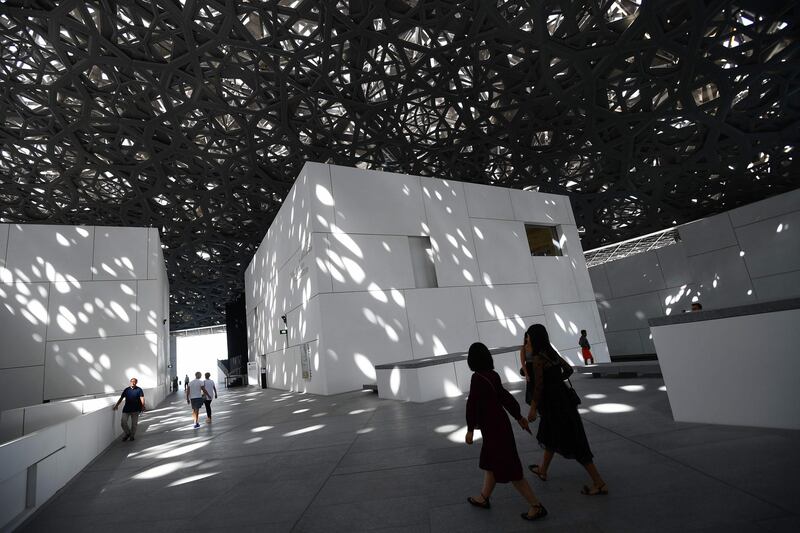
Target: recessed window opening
<point>422,262</point>
<point>543,240</point>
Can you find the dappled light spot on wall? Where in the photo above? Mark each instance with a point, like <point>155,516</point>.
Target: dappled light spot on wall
<point>364,365</point>
<point>398,298</point>
<point>66,320</point>
<point>438,347</point>
<point>632,388</point>
<point>487,280</point>
<point>300,411</point>
<point>663,388</point>
<point>511,375</point>
<point>376,292</point>
<point>191,479</point>
<point>317,415</point>
<point>347,241</point>
<point>302,431</point>
<point>261,429</point>
<point>252,440</point>
<point>451,390</point>
<point>357,273</point>
<point>560,321</point>
<point>447,428</point>
<point>446,408</point>
<point>594,396</point>
<point>394,380</point>
<point>609,408</point>
<point>324,195</point>
<point>361,411</point>
<point>364,431</point>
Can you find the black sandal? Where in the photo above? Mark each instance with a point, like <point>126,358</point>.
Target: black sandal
<point>602,490</point>
<point>483,505</point>
<point>535,470</point>
<point>541,512</point>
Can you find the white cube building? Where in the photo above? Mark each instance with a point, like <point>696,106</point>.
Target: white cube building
<point>82,309</point>
<point>370,268</point>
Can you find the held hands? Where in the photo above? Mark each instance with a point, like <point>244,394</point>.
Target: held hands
<point>532,415</point>
<point>523,422</point>
<point>468,438</point>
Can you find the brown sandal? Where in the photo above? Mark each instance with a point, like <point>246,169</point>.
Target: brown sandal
<point>602,490</point>
<point>541,512</point>
<point>535,470</point>
<point>483,505</point>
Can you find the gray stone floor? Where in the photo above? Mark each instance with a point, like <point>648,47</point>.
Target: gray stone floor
<point>278,461</point>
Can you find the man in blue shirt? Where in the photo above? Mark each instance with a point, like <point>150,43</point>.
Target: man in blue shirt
<point>134,404</point>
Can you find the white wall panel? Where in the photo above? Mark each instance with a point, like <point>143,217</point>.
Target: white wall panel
<point>506,301</point>
<point>369,261</point>
<point>450,232</point>
<point>565,322</point>
<point>647,341</point>
<point>602,289</point>
<point>771,246</point>
<point>503,253</point>
<point>572,249</point>
<point>50,253</point>
<point>322,281</point>
<point>441,320</point>
<point>484,201</point>
<point>777,205</point>
<point>98,366</point>
<point>541,208</point>
<point>22,386</point>
<point>674,265</point>
<point>315,178</point>
<point>778,287</point>
<point>506,332</point>
<point>121,253</point>
<point>707,234</point>
<point>361,329</point>
<point>23,323</point>
<point>632,312</point>
<point>556,282</point>
<point>149,316</point>
<point>634,275</point>
<point>377,202</point>
<point>627,342</point>
<point>3,243</point>
<point>155,257</point>
<point>94,309</point>
<point>708,365</point>
<point>722,278</point>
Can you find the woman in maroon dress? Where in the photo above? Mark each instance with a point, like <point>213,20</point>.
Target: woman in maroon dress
<point>485,410</point>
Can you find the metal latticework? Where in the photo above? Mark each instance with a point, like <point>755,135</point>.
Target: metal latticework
<point>195,116</point>
<point>638,245</point>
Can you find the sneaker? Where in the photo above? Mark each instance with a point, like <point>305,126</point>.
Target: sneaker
<point>125,438</point>
<point>197,426</point>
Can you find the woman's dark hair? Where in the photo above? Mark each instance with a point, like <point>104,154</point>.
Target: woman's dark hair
<point>540,340</point>
<point>479,358</point>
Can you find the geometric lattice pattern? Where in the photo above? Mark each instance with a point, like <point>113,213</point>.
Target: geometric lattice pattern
<point>196,116</point>
<point>638,245</point>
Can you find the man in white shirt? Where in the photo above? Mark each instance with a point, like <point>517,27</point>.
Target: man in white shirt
<point>211,388</point>
<point>195,394</point>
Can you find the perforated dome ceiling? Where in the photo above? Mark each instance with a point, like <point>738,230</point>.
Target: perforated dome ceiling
<point>196,116</point>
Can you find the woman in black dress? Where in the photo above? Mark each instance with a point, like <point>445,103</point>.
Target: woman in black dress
<point>560,426</point>
<point>485,409</point>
